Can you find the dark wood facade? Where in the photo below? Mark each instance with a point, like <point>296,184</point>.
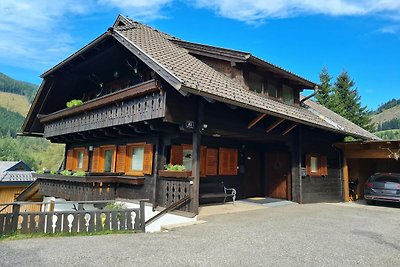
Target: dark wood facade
<point>127,106</point>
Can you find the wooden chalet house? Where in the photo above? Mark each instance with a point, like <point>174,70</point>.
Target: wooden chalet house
<point>150,99</point>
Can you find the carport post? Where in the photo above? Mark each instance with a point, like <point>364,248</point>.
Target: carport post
<point>345,179</point>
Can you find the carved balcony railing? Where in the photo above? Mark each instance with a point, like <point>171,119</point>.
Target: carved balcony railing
<point>172,189</point>
<point>137,103</point>
<point>88,188</point>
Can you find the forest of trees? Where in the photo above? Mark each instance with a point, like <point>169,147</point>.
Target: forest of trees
<point>389,125</point>
<point>10,123</point>
<point>8,84</point>
<point>389,104</point>
<point>342,97</point>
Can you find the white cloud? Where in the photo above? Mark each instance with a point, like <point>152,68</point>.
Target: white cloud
<point>35,34</point>
<point>255,11</point>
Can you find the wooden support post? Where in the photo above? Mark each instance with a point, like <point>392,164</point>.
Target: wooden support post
<point>15,215</point>
<point>345,179</point>
<point>196,157</point>
<point>142,215</point>
<point>256,120</point>
<point>274,125</point>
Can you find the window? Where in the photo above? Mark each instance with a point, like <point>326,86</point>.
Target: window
<point>256,82</point>
<point>132,159</point>
<point>287,95</point>
<point>104,159</point>
<point>80,160</point>
<point>182,155</point>
<point>77,159</point>
<point>316,165</point>
<point>108,155</point>
<point>272,90</point>
<point>187,157</point>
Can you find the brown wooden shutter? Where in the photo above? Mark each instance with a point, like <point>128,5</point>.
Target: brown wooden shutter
<point>233,161</point>
<point>176,156</point>
<point>212,161</point>
<point>323,166</point>
<point>308,164</point>
<point>85,163</point>
<point>228,160</point>
<point>69,160</point>
<point>148,159</point>
<point>203,161</point>
<point>96,160</point>
<point>121,155</point>
<point>223,161</point>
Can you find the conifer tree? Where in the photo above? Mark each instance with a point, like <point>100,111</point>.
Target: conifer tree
<point>347,102</point>
<point>324,94</point>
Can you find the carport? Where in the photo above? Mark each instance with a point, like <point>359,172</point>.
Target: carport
<point>362,159</point>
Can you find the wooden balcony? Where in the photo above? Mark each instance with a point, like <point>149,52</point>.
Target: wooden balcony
<point>91,187</point>
<point>141,102</point>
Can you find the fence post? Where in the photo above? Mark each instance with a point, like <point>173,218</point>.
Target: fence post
<point>15,215</point>
<point>142,216</point>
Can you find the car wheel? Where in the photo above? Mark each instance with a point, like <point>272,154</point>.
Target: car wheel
<point>370,202</point>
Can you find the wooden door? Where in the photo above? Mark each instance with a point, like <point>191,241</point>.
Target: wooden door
<point>277,174</point>
<point>252,173</point>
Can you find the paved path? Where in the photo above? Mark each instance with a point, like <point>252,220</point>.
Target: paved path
<point>298,235</point>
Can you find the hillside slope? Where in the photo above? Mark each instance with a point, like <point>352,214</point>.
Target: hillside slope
<point>15,103</point>
<point>10,85</point>
<point>386,115</point>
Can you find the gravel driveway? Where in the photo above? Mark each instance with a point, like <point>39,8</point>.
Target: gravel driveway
<point>297,235</point>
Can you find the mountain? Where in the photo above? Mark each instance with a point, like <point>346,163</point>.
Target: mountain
<point>10,85</point>
<point>387,120</point>
<point>15,103</point>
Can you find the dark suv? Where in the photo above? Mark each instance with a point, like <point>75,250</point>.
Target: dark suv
<point>383,187</point>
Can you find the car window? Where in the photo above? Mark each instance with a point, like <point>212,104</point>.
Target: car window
<point>386,179</point>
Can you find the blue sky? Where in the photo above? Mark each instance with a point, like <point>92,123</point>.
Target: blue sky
<point>361,37</point>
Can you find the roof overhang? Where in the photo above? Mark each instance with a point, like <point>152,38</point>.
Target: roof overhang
<point>371,149</point>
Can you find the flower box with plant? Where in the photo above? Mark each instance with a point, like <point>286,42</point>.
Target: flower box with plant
<point>176,170</point>
<point>74,103</point>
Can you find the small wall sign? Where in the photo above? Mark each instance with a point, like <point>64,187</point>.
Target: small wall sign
<point>189,124</point>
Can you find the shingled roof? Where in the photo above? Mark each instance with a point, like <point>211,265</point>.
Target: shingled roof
<point>190,74</point>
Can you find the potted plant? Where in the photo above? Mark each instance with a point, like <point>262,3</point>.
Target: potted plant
<point>176,170</point>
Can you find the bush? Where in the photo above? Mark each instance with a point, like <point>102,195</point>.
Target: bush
<point>74,103</point>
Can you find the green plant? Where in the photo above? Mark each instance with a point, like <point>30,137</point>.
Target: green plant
<point>74,103</point>
<point>114,206</point>
<point>79,173</point>
<point>176,167</point>
<point>65,172</point>
<point>40,171</point>
<point>53,171</point>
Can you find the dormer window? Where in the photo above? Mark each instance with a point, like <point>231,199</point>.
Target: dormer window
<point>256,82</point>
<point>287,95</point>
<point>272,89</point>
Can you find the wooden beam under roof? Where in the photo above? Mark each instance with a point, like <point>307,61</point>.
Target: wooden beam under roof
<point>274,125</point>
<point>290,128</point>
<point>256,120</point>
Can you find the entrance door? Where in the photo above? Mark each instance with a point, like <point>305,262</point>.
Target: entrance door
<point>252,173</point>
<point>277,174</point>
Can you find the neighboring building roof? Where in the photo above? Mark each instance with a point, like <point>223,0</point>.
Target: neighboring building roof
<point>15,172</point>
<point>16,177</point>
<point>14,166</point>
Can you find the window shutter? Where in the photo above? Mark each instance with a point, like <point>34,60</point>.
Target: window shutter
<point>324,166</point>
<point>69,160</point>
<point>148,159</point>
<point>121,155</point>
<point>96,160</point>
<point>308,164</point>
<point>176,156</point>
<point>212,161</point>
<point>233,161</point>
<point>85,164</point>
<point>203,161</point>
<point>228,160</point>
